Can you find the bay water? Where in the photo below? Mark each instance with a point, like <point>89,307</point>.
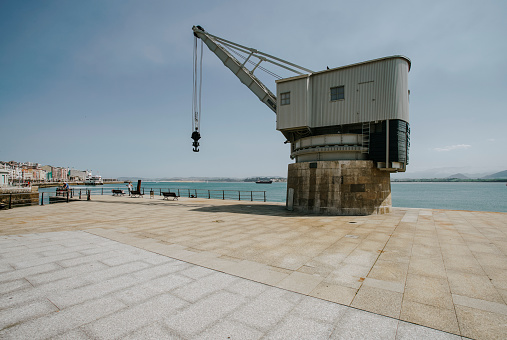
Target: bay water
<point>476,196</point>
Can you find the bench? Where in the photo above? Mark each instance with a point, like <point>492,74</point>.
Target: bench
<point>62,192</point>
<point>118,192</point>
<point>167,195</point>
<point>136,193</point>
<point>56,199</point>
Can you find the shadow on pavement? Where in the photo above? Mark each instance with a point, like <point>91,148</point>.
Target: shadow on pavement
<point>255,209</point>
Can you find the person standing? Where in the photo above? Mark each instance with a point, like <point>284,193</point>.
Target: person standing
<point>129,186</point>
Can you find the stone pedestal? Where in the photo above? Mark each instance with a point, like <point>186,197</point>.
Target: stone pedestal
<point>339,188</point>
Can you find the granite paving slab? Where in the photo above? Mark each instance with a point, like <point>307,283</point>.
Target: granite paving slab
<point>219,260</point>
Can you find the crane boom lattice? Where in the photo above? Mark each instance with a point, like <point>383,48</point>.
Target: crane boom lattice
<point>224,50</point>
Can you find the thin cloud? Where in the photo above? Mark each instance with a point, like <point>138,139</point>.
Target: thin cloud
<point>453,147</point>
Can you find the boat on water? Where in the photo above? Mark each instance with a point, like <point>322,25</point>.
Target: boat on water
<point>264,182</point>
<point>93,180</point>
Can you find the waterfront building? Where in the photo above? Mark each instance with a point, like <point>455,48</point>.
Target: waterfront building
<point>39,175</point>
<point>18,172</point>
<point>77,175</point>
<point>49,174</point>
<point>27,175</point>
<point>59,174</point>
<point>4,177</point>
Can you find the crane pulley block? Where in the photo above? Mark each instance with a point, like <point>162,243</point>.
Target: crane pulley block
<point>196,136</point>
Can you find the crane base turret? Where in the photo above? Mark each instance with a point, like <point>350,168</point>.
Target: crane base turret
<point>354,187</point>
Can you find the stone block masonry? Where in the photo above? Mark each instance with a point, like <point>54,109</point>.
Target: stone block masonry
<point>18,199</point>
<point>340,188</point>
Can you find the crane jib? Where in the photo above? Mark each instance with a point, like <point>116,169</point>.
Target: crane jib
<point>222,49</point>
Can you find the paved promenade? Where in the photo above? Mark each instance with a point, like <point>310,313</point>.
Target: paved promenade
<point>119,267</point>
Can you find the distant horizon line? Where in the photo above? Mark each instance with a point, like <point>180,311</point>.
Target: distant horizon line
<point>197,178</point>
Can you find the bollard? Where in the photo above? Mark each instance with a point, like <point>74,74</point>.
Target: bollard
<point>42,200</point>
<point>103,191</point>
<point>79,193</point>
<point>10,201</point>
<point>88,195</point>
<point>67,196</point>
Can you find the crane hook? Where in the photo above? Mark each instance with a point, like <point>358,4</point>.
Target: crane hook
<point>196,136</point>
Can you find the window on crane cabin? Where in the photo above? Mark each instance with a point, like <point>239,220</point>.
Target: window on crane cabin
<point>285,98</point>
<point>337,93</point>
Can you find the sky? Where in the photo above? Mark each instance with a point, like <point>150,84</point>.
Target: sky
<point>107,85</point>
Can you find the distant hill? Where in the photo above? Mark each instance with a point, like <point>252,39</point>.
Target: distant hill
<point>459,176</point>
<point>501,174</point>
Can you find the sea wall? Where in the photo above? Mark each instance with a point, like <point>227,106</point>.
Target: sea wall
<point>339,188</point>
<point>16,198</point>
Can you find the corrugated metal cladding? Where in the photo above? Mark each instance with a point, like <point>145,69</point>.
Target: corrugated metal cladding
<point>295,114</point>
<point>376,90</point>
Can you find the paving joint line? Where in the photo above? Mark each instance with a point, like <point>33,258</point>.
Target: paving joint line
<point>287,290</point>
<point>373,265</point>
<point>504,299</point>
<point>447,279</point>
<point>405,285</point>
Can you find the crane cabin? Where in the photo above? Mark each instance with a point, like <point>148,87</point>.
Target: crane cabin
<point>348,127</point>
<point>354,112</point>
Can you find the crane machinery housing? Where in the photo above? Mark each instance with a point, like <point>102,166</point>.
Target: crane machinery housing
<point>348,126</point>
